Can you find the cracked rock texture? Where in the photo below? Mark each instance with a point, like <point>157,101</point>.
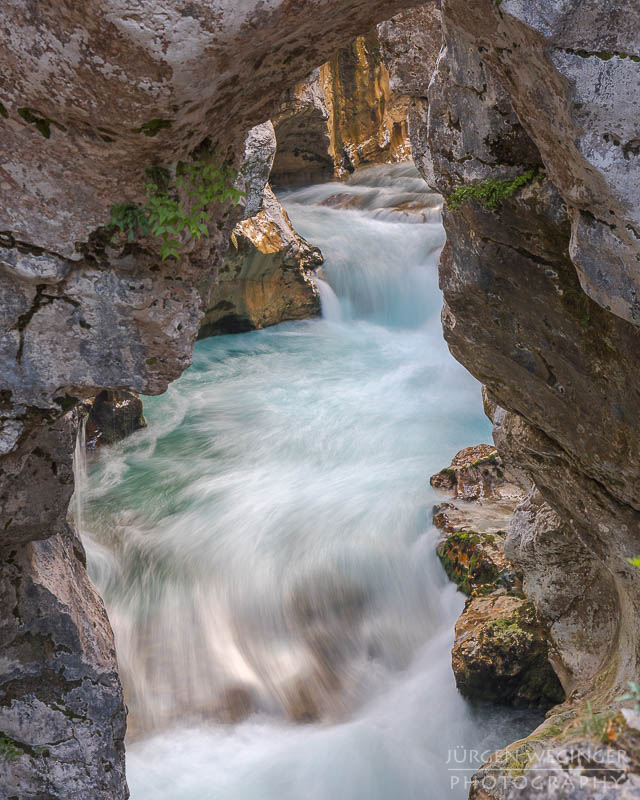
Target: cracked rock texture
<point>60,697</point>
<point>540,305</point>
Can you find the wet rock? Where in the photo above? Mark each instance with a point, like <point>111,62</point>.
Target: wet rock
<point>113,415</point>
<point>234,705</point>
<point>474,472</point>
<point>476,562</point>
<point>266,277</point>
<point>301,701</point>
<point>501,654</point>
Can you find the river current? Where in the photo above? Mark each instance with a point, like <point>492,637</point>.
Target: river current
<point>265,547</point>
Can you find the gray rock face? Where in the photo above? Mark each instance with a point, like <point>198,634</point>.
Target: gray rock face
<point>259,152</point>
<point>61,704</point>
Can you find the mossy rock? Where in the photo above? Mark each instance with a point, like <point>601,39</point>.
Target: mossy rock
<point>501,654</point>
<point>475,562</point>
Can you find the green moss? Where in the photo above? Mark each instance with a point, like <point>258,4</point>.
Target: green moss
<point>9,748</point>
<point>490,459</point>
<point>151,361</point>
<point>603,55</point>
<point>154,126</point>
<point>468,566</point>
<point>41,123</point>
<point>3,111</point>
<point>490,193</point>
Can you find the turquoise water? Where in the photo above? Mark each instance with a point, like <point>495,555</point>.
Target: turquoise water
<point>267,538</point>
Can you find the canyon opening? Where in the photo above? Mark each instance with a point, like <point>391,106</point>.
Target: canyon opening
<point>318,408</point>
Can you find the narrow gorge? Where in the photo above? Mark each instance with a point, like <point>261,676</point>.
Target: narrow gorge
<point>259,536</point>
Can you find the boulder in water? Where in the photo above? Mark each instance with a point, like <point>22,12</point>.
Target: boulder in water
<point>114,415</point>
<point>476,562</point>
<point>501,654</point>
<point>473,473</point>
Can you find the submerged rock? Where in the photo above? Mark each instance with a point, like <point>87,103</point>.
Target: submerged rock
<point>114,415</point>
<point>233,705</point>
<point>501,654</point>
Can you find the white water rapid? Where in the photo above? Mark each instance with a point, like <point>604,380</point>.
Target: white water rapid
<point>265,547</point>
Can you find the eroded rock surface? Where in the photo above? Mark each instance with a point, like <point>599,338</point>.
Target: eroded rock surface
<point>501,653</point>
<point>266,277</point>
<point>113,415</point>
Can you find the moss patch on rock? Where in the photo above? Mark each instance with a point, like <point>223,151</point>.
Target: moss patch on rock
<point>501,654</point>
<point>475,562</point>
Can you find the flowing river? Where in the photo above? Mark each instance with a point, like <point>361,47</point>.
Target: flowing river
<point>265,547</point>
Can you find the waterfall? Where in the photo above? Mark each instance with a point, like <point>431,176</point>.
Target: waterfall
<point>80,475</point>
<point>265,548</point>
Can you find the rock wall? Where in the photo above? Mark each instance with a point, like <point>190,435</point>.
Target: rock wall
<point>343,115</point>
<point>266,275</point>
<point>531,104</point>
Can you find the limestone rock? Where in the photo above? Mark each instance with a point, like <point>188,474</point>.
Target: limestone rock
<point>473,473</point>
<point>259,152</point>
<point>344,115</point>
<point>114,415</point>
<point>302,127</point>
<point>61,706</point>
<point>410,44</point>
<point>266,276</point>
<point>501,655</point>
<point>476,562</point>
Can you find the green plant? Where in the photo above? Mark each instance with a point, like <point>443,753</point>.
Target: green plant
<point>166,215</point>
<point>491,192</point>
<point>153,127</point>
<point>8,748</point>
<point>635,562</point>
<point>596,723</point>
<point>632,694</point>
